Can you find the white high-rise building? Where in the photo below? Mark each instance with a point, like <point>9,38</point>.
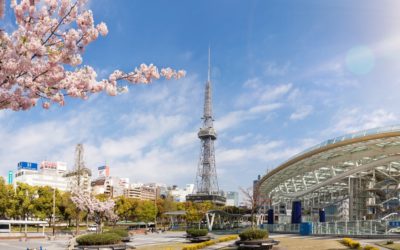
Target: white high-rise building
<point>232,198</point>
<point>50,174</point>
<point>179,194</point>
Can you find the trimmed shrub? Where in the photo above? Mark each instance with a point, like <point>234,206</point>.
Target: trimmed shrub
<point>346,241</point>
<point>98,239</point>
<point>197,232</point>
<point>120,232</point>
<point>351,243</point>
<point>253,234</point>
<point>355,245</point>
<point>368,247</point>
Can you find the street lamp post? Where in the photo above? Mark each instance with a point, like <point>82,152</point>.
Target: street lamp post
<point>54,211</point>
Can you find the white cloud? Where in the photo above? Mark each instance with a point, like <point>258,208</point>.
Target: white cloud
<point>230,120</point>
<point>252,83</point>
<point>301,113</point>
<point>241,138</point>
<point>273,69</point>
<point>265,108</point>
<point>275,92</point>
<point>188,139</point>
<point>355,119</point>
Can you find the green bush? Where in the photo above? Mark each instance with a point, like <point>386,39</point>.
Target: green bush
<point>98,239</point>
<point>120,232</point>
<point>197,232</point>
<point>253,234</point>
<point>389,242</point>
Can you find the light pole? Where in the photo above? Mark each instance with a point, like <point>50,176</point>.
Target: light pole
<point>155,207</point>
<point>54,212</point>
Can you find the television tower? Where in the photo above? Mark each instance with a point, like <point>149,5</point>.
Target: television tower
<point>206,177</point>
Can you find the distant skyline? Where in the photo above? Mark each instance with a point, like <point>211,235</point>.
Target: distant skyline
<point>286,75</point>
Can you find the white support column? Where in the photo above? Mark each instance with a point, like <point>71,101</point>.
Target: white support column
<point>357,227</point>
<point>370,227</point>
<point>210,221</point>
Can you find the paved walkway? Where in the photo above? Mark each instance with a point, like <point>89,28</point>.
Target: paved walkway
<point>58,244</point>
<point>157,238</point>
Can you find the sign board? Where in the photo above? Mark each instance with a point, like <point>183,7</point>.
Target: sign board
<point>394,223</point>
<point>10,177</point>
<point>61,166</point>
<point>51,165</point>
<point>104,171</point>
<point>27,165</point>
<point>48,165</point>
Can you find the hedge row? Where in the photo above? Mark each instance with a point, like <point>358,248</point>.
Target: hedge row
<point>253,234</point>
<point>209,242</point>
<point>356,245</point>
<point>98,239</point>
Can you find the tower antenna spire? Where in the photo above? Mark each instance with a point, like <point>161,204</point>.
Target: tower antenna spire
<point>206,178</point>
<point>209,63</point>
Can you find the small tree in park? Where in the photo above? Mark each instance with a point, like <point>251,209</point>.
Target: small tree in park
<point>254,199</point>
<point>41,59</point>
<point>98,210</point>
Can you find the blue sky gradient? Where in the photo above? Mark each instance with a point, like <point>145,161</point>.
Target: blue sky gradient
<point>286,75</point>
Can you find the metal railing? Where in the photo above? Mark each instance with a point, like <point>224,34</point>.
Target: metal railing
<point>283,228</point>
<point>359,227</point>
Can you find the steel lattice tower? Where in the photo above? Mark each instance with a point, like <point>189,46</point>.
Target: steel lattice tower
<point>79,177</point>
<point>206,178</point>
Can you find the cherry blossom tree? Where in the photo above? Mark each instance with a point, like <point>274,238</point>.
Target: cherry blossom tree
<point>98,210</point>
<point>42,58</point>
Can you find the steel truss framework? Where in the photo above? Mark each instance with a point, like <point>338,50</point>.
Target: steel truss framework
<point>352,177</point>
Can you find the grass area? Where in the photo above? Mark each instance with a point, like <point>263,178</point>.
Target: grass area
<point>394,246</point>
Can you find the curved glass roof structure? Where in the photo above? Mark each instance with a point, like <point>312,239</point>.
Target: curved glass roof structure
<point>325,169</point>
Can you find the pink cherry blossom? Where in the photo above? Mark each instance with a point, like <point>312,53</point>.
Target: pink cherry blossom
<point>42,58</point>
<point>97,210</point>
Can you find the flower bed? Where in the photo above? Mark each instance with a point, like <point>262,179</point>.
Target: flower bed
<point>209,242</point>
<point>356,245</point>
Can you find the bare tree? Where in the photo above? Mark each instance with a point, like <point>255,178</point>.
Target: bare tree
<point>254,199</point>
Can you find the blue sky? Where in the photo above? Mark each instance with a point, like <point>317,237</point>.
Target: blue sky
<point>286,75</point>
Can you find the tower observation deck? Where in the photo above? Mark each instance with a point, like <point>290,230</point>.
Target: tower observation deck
<point>206,179</point>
